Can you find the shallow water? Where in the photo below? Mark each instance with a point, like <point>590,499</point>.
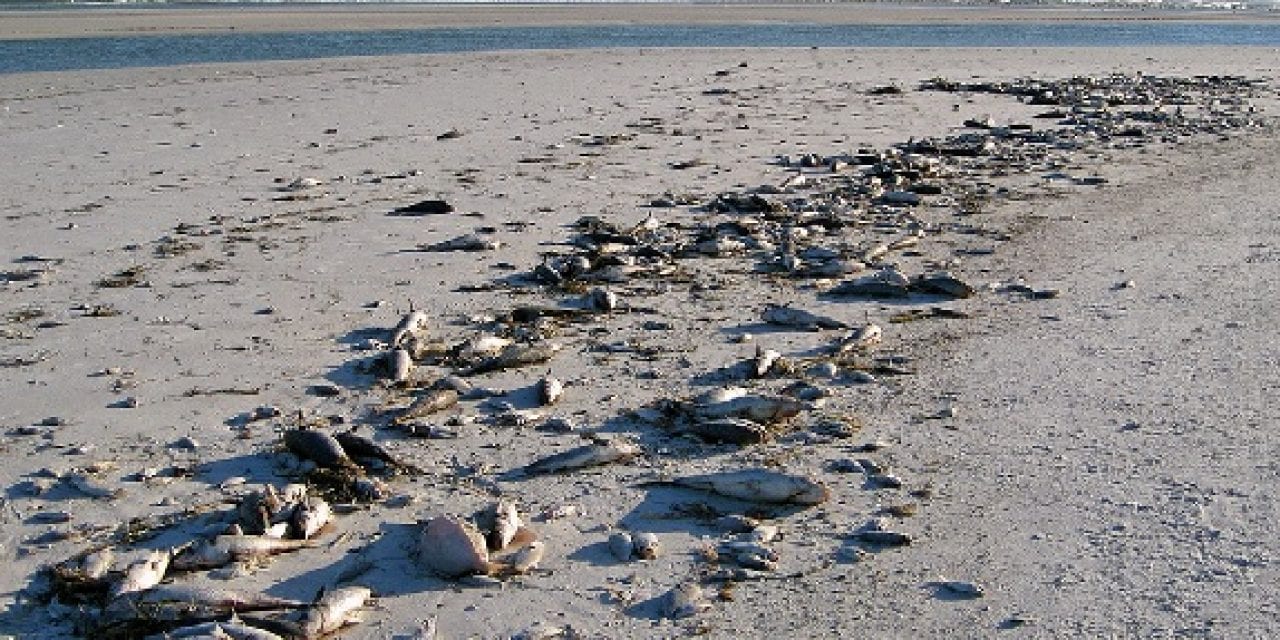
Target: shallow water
<point>64,54</point>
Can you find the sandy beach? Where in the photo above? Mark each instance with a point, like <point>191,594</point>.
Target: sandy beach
<point>199,259</point>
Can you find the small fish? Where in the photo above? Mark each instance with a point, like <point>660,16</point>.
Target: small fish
<point>480,347</point>
<point>310,516</point>
<point>646,545</point>
<point>886,283</point>
<point>225,630</point>
<point>860,339</point>
<point>317,446</point>
<point>223,550</point>
<point>398,365</point>
<point>144,574</point>
<point>588,455</point>
<point>413,324</point>
<point>785,316</point>
<point>91,486</point>
<point>466,242</point>
<point>433,401</point>
<point>333,611</point>
<point>550,390</point>
<point>732,430</point>
<point>171,602</point>
<point>942,283</point>
<point>527,558</point>
<point>764,361</point>
<point>736,402</point>
<point>452,548</point>
<point>506,522</point>
<point>760,485</point>
<point>514,356</point>
<point>684,601</point>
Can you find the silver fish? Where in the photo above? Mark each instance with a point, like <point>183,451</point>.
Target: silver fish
<point>228,629</point>
<point>223,550</point>
<point>760,485</point>
<point>433,401</point>
<point>183,602</point>
<point>514,356</point>
<point>413,324</point>
<point>333,611</point>
<point>310,516</point>
<point>452,548</point>
<point>735,402</point>
<point>550,390</point>
<point>467,242</point>
<point>588,455</point>
<point>785,316</point>
<point>144,574</point>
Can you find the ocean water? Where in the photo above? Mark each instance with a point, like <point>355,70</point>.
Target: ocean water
<point>17,56</point>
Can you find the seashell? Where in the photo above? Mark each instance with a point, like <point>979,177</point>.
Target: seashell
<point>412,325</point>
<point>760,485</point>
<point>684,601</point>
<point>310,516</point>
<point>550,390</point>
<point>621,545</point>
<point>143,574</point>
<point>646,545</point>
<point>452,548</point>
<point>333,611</point>
<point>317,446</point>
<point>785,316</point>
<point>731,430</point>
<point>590,455</point>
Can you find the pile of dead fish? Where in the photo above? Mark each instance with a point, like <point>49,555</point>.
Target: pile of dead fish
<point>126,593</point>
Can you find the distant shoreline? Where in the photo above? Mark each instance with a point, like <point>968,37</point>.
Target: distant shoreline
<point>59,22</point>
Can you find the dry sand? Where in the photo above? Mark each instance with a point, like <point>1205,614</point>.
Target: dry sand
<point>1106,470</point>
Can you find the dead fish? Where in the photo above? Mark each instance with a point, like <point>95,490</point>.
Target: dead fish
<point>90,566</point>
<point>433,401</point>
<point>310,516</point>
<point>589,455</point>
<point>621,545</point>
<point>959,588</point>
<point>91,486</point>
<point>942,283</point>
<point>731,430</point>
<point>514,356</point>
<point>506,522</point>
<point>223,550</point>
<point>760,485</point>
<point>764,361</point>
<point>398,364</point>
<point>225,630</point>
<point>876,533</point>
<point>143,574</point>
<point>684,601</point>
<point>360,447</point>
<point>254,512</point>
<point>452,548</point>
<point>602,300</point>
<point>467,242</point>
<point>785,316</point>
<point>317,446</point>
<point>860,339</point>
<point>886,283</point>
<point>412,325</point>
<point>333,611</point>
<point>646,545</point>
<point>736,402</point>
<point>184,601</point>
<point>550,390</point>
<point>480,347</point>
<point>527,558</point>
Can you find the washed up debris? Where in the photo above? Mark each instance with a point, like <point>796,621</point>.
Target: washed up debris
<point>412,326</point>
<point>590,455</point>
<point>424,208</point>
<point>225,549</point>
<point>731,430</point>
<point>760,485</point>
<point>860,340</point>
<point>941,283</point>
<point>684,601</point>
<point>785,316</point>
<point>886,283</point>
<point>514,356</point>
